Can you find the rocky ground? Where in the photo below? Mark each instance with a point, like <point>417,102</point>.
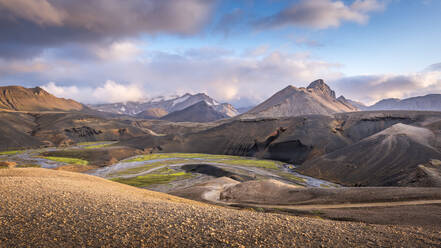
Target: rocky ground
<point>45,208</point>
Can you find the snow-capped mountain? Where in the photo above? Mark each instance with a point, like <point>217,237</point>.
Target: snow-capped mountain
<point>167,104</point>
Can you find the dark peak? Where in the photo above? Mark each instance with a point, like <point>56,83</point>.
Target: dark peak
<point>319,85</point>
<point>342,98</point>
<point>38,91</point>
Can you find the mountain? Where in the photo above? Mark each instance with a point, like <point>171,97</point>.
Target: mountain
<point>242,110</point>
<point>430,102</point>
<point>166,104</point>
<point>317,98</point>
<point>152,113</point>
<point>199,112</point>
<point>353,103</point>
<point>18,98</point>
<point>399,155</point>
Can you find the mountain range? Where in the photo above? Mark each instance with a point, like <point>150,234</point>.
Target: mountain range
<point>431,102</point>
<point>159,107</point>
<point>317,98</point>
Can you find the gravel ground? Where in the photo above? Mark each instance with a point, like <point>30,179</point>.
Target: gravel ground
<point>45,208</point>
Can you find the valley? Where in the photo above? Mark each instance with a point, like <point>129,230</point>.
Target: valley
<point>333,164</point>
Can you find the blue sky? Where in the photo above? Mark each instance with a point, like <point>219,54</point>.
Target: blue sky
<point>236,51</point>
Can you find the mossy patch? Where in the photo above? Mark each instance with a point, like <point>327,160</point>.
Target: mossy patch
<point>150,179</point>
<point>266,164</point>
<point>180,155</point>
<point>10,152</point>
<point>67,160</point>
<point>292,177</point>
<point>98,146</point>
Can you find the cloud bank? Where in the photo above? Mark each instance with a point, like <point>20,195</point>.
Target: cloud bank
<point>29,26</point>
<point>322,14</point>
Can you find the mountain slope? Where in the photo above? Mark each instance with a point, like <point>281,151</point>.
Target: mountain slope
<point>430,102</point>
<point>352,103</point>
<point>47,208</point>
<point>18,98</point>
<point>199,112</point>
<point>388,158</point>
<point>169,105</point>
<point>152,113</point>
<point>317,98</point>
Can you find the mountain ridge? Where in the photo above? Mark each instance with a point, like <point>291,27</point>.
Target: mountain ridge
<point>18,98</point>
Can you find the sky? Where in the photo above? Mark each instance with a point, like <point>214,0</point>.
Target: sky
<point>237,51</point>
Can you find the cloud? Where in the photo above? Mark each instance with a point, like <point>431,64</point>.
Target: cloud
<point>226,76</point>
<point>370,89</point>
<point>322,14</point>
<point>40,24</point>
<point>118,51</point>
<point>110,92</point>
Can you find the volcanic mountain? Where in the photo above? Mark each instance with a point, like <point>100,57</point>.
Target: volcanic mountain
<point>17,98</point>
<point>168,105</point>
<point>199,112</point>
<point>399,155</point>
<point>430,102</point>
<point>152,113</point>
<point>317,98</point>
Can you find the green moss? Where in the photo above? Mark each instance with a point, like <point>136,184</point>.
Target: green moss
<point>146,167</point>
<point>10,152</point>
<point>179,155</point>
<point>98,146</point>
<point>150,179</point>
<point>292,177</point>
<point>89,143</point>
<point>67,160</point>
<point>267,164</point>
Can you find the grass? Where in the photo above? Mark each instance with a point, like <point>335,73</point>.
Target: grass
<point>292,177</point>
<point>145,167</point>
<point>89,143</point>
<point>150,179</point>
<point>10,152</point>
<point>226,159</point>
<point>179,155</point>
<point>97,146</point>
<point>266,164</point>
<point>67,160</point>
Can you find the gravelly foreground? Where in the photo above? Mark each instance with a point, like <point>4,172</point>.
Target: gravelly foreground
<point>44,208</point>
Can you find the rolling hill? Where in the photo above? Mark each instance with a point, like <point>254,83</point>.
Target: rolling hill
<point>17,98</point>
<point>397,155</point>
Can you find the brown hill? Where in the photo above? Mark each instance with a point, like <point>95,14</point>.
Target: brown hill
<point>45,208</point>
<point>18,98</point>
<point>394,156</point>
<point>199,112</point>
<point>152,113</point>
<point>317,98</point>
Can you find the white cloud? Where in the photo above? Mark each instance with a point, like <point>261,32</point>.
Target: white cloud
<point>108,93</point>
<point>323,14</point>
<point>370,89</point>
<point>125,50</point>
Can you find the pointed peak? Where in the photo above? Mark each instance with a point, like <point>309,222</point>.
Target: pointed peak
<point>319,85</point>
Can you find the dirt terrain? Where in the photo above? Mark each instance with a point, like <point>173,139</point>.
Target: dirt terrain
<point>44,208</point>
